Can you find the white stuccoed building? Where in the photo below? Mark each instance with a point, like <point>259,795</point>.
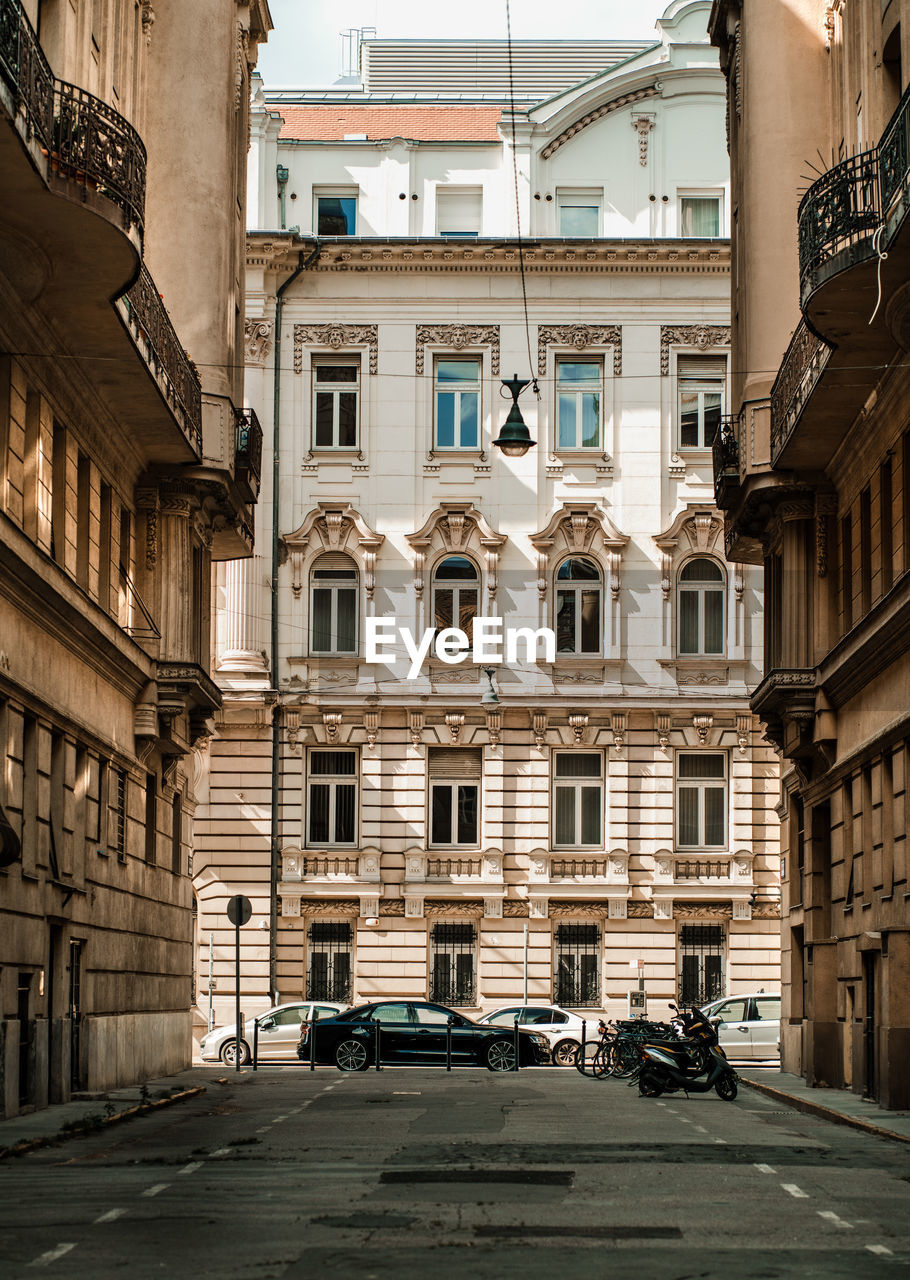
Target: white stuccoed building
<point>471,839</point>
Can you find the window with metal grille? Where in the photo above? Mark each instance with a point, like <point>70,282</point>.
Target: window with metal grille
<point>701,963</point>
<point>577,965</point>
<point>452,964</point>
<point>118,805</point>
<point>329,973</point>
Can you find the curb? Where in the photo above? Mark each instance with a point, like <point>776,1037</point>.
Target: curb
<point>80,1127</point>
<point>825,1113</point>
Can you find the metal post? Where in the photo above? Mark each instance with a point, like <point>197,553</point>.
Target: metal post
<point>584,1036</point>
<point>515,1042</point>
<point>449,1043</point>
<point>211,981</point>
<point>525,984</point>
<point>313,1041</point>
<point>238,1027</point>
<point>256,1044</point>
<point>378,1033</point>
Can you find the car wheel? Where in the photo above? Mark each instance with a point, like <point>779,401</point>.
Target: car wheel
<point>565,1053</point>
<point>499,1055</point>
<point>351,1055</point>
<point>725,1087</point>
<point>229,1053</point>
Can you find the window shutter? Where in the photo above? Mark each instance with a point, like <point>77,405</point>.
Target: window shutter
<point>334,561</point>
<point>458,211</point>
<point>455,762</point>
<point>696,367</point>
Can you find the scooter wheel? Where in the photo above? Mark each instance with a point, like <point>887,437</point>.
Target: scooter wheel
<point>726,1087</point>
<point>648,1087</point>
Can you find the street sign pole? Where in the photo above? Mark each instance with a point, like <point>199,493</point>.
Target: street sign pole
<point>239,910</point>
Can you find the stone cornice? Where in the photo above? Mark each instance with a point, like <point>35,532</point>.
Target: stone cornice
<point>280,253</point>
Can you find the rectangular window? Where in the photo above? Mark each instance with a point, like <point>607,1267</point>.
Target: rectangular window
<point>117,784</point>
<point>700,384</point>
<point>336,214</point>
<point>865,547</point>
<point>452,964</point>
<point>701,800</point>
<point>579,212</point>
<point>336,397</point>
<point>846,569</point>
<point>454,797</point>
<point>578,800</point>
<point>886,517</point>
<point>333,596</point>
<point>457,394</point>
<point>701,969</point>
<point>699,215</point>
<point>578,404</point>
<point>332,799</point>
<point>577,965</point>
<point>459,211</point>
<point>151,819</point>
<point>329,973</point>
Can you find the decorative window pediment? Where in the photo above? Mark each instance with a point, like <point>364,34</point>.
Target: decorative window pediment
<point>698,529</point>
<point>334,526</point>
<point>336,337</point>
<point>582,527</point>
<point>457,527</point>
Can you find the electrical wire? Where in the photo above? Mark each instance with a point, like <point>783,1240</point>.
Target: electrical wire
<point>521,254</point>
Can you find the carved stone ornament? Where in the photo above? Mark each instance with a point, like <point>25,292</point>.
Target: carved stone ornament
<point>702,725</point>
<point>663,729</point>
<point>455,527</point>
<point>627,99</point>
<point>334,526</point>
<point>415,727</point>
<point>539,728</point>
<point>257,340</point>
<point>703,337</point>
<point>825,507</point>
<point>618,729</point>
<point>148,20</point>
<point>643,123</point>
<point>743,731</point>
<point>455,724</point>
<point>332,722</point>
<point>494,727</point>
<point>371,725</point>
<point>579,528</point>
<point>578,722</point>
<point>458,337</point>
<point>697,529</point>
<point>579,336</point>
<point>336,336</point>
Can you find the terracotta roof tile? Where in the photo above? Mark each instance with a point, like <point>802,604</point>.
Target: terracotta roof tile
<point>422,124</point>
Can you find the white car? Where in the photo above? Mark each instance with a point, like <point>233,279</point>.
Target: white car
<point>279,1031</point>
<point>748,1026</point>
<point>561,1028</point>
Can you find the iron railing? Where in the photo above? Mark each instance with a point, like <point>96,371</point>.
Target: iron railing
<point>248,450</point>
<point>725,455</point>
<point>839,211</point>
<point>84,139</point>
<point>152,328</point>
<point>452,992</point>
<point>321,985</point>
<point>894,153</point>
<point>577,990</point>
<point>802,366</point>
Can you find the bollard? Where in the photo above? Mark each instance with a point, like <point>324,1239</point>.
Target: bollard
<point>313,1041</point>
<point>515,1042</point>
<point>378,1033</point>
<point>449,1043</point>
<point>256,1044</point>
<point>581,1052</point>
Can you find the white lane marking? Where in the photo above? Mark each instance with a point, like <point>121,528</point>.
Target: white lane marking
<point>264,1129</point>
<point>765,1168</point>
<point>795,1191</point>
<point>661,1104</point>
<point>52,1255</point>
<point>683,1120</point>
<point>721,1141</point>
<point>222,1151</point>
<point>700,1129</point>
<point>191,1168</point>
<point>153,1191</point>
<point>880,1250</point>
<point>111,1216</point>
<point>278,1119</point>
<point>834,1218</point>
<point>405,1093</point>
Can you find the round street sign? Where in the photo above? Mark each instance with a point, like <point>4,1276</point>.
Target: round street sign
<point>239,909</point>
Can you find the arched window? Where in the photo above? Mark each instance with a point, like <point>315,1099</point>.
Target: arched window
<point>333,604</point>
<point>456,594</point>
<point>578,606</point>
<point>701,608</point>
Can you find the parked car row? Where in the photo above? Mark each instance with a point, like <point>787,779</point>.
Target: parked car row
<point>415,1031</point>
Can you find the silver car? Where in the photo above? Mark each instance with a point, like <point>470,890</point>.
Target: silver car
<point>748,1026</point>
<point>279,1031</point>
<point>562,1029</point>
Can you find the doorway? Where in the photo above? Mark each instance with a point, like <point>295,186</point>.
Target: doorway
<point>870,1029</point>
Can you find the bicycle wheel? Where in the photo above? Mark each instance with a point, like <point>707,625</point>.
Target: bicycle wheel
<point>587,1058</point>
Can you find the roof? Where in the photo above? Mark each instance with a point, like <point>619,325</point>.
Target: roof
<point>422,124</point>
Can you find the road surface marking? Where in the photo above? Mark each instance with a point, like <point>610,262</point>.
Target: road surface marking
<point>264,1129</point>
<point>153,1191</point>
<point>110,1216</point>
<point>765,1168</point>
<point>683,1120</point>
<point>700,1128</point>
<point>191,1168</point>
<point>52,1255</point>
<point>279,1119</point>
<point>721,1141</point>
<point>880,1249</point>
<point>835,1218</point>
<point>405,1093</point>
<point>222,1151</point>
<point>795,1191</point>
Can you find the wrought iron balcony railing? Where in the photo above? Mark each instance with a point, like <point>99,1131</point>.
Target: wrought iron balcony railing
<point>83,138</point>
<point>327,986</point>
<point>838,212</point>
<point>725,456</point>
<point>577,992</point>
<point>800,370</point>
<point>152,328</point>
<point>894,154</point>
<point>248,452</point>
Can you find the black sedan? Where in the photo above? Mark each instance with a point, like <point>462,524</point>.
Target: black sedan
<point>410,1031</point>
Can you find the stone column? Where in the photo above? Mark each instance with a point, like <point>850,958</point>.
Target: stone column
<point>175,576</point>
<point>798,588</point>
<point>240,629</point>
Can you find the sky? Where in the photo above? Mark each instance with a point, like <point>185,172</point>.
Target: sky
<point>305,47</point>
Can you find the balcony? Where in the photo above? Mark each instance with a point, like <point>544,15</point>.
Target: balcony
<point>804,363</point>
<point>785,703</point>
<point>248,453</point>
<point>325,869</point>
<point>600,877</point>
<point>450,874</point>
<point>700,877</point>
<point>725,458</point>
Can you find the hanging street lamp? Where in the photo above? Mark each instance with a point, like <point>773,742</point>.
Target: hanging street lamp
<point>515,438</point>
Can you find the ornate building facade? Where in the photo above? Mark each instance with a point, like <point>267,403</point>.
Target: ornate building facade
<point>126,470</point>
<point>549,823</point>
<point>812,470</point>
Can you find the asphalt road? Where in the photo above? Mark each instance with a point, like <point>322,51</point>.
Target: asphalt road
<point>415,1173</point>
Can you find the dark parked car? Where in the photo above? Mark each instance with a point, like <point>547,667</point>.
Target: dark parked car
<point>411,1031</point>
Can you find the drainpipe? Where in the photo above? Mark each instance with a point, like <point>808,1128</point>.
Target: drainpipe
<point>302,265</point>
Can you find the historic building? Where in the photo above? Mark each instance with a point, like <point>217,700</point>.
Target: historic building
<point>127,466</point>
<point>812,470</point>
<point>554,822</point>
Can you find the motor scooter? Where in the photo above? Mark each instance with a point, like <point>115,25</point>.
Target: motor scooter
<point>667,1067</point>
